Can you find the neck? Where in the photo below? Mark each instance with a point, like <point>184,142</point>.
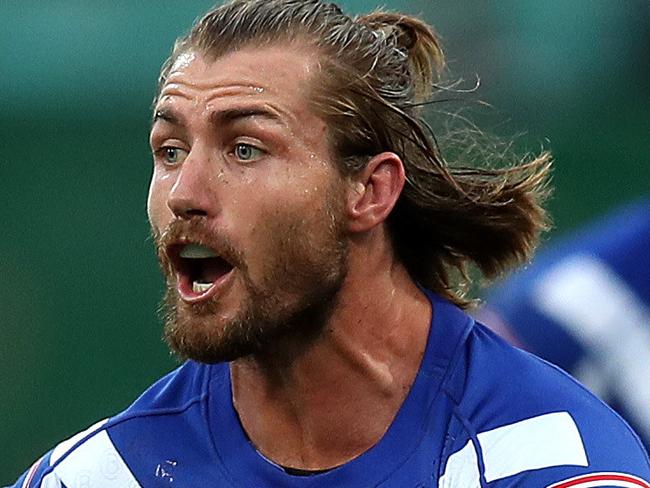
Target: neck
<point>337,397</point>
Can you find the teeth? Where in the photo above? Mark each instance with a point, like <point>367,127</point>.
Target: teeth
<point>197,251</point>
<point>198,287</point>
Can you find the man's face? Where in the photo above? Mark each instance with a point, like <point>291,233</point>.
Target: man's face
<point>245,204</point>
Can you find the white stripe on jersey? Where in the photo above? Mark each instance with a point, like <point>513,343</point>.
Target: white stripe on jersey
<point>539,442</point>
<point>94,463</point>
<point>50,481</point>
<point>461,469</point>
<point>535,443</point>
<point>595,305</point>
<point>66,445</point>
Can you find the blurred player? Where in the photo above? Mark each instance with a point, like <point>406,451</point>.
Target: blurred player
<point>584,304</point>
<point>308,226</point>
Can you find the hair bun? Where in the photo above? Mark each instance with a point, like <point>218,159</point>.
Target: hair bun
<point>418,41</point>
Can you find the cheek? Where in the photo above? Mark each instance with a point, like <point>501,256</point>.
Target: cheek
<point>303,218</point>
<point>157,209</point>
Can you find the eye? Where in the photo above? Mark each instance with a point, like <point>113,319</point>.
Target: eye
<point>246,152</point>
<point>171,155</point>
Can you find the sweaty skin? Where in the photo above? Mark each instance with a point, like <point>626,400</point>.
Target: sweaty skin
<point>305,405</point>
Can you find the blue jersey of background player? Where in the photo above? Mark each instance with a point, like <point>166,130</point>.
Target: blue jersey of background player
<point>308,226</point>
<point>584,304</point>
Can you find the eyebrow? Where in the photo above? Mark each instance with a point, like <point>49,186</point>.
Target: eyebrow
<point>167,115</point>
<point>232,115</point>
<point>220,117</point>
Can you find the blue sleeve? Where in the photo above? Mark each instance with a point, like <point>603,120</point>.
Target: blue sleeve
<point>541,429</point>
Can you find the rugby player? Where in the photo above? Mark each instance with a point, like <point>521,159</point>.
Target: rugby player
<point>315,243</point>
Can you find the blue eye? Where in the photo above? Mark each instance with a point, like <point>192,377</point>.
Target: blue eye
<point>172,155</point>
<point>246,152</point>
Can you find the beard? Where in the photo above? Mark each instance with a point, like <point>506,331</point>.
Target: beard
<point>289,302</point>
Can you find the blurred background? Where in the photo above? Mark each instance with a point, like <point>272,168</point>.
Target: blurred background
<point>79,285</point>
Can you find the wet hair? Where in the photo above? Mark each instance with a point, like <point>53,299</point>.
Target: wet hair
<point>376,73</point>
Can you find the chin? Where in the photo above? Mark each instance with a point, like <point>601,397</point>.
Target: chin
<point>202,333</point>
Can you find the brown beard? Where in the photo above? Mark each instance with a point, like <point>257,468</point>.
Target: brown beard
<point>291,303</point>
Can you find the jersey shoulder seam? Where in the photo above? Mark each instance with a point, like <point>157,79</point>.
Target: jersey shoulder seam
<point>117,420</point>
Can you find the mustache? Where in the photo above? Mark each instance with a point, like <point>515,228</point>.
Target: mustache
<point>194,230</point>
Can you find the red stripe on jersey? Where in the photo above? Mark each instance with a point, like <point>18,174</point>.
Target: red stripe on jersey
<point>602,477</point>
<point>31,473</point>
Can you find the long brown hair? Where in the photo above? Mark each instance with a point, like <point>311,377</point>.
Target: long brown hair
<point>377,73</point>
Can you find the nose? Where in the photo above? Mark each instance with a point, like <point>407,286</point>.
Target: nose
<point>190,196</point>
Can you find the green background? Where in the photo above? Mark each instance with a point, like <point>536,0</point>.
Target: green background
<point>80,337</point>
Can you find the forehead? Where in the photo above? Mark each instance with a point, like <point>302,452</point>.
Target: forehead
<point>278,73</point>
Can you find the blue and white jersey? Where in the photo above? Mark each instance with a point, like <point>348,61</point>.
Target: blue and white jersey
<point>480,413</point>
<point>584,304</point>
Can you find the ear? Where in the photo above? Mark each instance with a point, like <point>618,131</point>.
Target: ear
<point>375,191</point>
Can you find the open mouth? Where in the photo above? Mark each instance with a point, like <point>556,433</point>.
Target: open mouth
<point>199,269</point>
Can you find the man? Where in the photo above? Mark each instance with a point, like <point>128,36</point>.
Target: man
<point>584,304</point>
<point>311,234</point>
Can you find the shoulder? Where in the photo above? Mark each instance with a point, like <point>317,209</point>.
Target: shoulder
<point>96,456</point>
<point>583,304</point>
<point>87,458</point>
<point>175,391</point>
<point>519,418</point>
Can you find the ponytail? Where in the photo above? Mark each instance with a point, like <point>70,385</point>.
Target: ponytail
<point>452,216</point>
